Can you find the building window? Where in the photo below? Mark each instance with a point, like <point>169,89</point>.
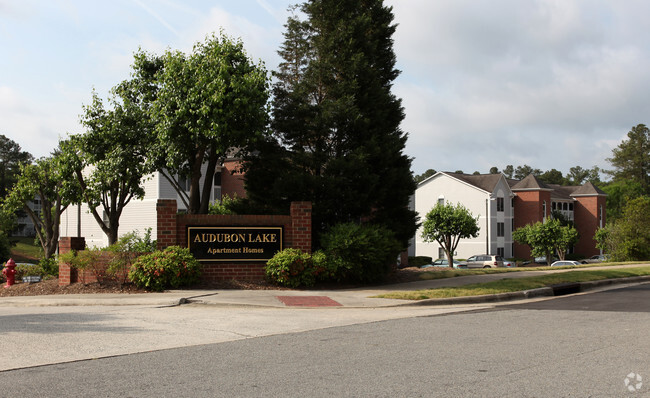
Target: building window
<point>441,200</point>
<point>501,229</point>
<point>217,179</point>
<point>570,206</point>
<point>441,253</point>
<point>501,251</point>
<point>500,204</point>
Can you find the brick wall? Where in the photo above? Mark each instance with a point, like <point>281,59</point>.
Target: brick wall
<point>172,230</point>
<point>232,179</point>
<point>67,274</point>
<point>528,209</point>
<point>586,215</point>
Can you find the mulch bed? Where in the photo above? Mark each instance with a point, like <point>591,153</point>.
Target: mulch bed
<point>51,286</point>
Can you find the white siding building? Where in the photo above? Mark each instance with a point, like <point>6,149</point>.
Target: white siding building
<point>487,196</point>
<point>138,215</point>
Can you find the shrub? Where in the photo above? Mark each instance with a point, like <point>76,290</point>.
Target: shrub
<point>361,253</point>
<point>325,270</point>
<point>125,252</point>
<point>87,259</point>
<point>23,270</point>
<point>171,268</point>
<point>418,261</point>
<point>292,268</point>
<point>227,205</point>
<point>49,266</point>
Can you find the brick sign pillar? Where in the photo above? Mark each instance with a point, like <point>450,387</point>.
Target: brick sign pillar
<point>301,225</point>
<point>166,225</point>
<point>67,274</point>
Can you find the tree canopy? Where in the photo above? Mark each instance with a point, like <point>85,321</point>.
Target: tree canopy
<point>11,158</point>
<point>44,180</point>
<point>628,238</point>
<point>205,104</point>
<point>447,224</point>
<point>546,238</point>
<point>336,123</point>
<point>631,158</point>
<point>109,160</point>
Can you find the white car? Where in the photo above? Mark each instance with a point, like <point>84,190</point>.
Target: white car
<point>565,263</point>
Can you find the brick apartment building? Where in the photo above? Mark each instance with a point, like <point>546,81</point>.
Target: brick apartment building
<point>503,205</point>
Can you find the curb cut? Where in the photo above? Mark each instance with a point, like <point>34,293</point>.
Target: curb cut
<point>525,294</point>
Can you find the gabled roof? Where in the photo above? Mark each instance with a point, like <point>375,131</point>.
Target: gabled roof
<point>530,183</point>
<point>588,189</point>
<point>486,182</point>
<point>562,192</point>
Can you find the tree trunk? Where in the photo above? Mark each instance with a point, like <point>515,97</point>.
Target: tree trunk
<point>208,183</point>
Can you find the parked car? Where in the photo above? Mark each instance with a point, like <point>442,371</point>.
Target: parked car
<point>542,260</point>
<point>442,262</point>
<point>598,258</point>
<point>508,263</point>
<point>485,261</point>
<point>565,263</point>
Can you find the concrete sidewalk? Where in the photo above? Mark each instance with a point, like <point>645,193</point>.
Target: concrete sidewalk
<point>346,298</point>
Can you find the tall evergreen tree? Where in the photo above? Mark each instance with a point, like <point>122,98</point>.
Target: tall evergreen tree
<point>336,121</point>
<point>631,158</point>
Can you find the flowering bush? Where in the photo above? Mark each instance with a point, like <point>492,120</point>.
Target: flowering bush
<point>292,268</point>
<point>171,268</point>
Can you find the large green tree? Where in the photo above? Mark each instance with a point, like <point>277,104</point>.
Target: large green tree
<point>204,105</point>
<point>447,224</point>
<point>11,158</point>
<point>109,160</point>
<point>578,176</point>
<point>44,180</point>
<point>631,158</point>
<point>336,123</point>
<point>522,172</point>
<point>628,238</point>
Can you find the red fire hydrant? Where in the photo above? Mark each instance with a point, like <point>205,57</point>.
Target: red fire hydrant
<point>10,272</point>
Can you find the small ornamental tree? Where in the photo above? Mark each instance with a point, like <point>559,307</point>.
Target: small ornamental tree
<point>447,224</point>
<point>546,238</point>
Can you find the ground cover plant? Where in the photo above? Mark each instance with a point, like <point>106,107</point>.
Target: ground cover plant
<point>507,285</point>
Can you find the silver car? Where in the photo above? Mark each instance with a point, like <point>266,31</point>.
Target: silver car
<point>485,261</point>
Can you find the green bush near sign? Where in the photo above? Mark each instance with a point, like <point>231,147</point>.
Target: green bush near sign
<point>361,253</point>
<point>171,268</point>
<point>351,253</point>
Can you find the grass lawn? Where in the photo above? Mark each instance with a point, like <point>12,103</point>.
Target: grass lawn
<point>519,284</point>
<point>26,251</point>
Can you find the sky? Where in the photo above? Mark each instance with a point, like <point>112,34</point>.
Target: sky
<point>483,83</point>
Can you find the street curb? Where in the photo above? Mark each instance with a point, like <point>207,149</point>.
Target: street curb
<point>525,294</point>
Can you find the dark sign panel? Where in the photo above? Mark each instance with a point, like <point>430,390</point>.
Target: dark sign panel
<point>234,243</point>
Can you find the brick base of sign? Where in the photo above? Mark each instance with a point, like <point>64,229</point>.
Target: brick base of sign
<point>172,231</point>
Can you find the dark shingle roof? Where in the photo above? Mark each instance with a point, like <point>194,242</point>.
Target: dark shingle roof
<point>486,182</point>
<point>530,182</point>
<point>588,189</point>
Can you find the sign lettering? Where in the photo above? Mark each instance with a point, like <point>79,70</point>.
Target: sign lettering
<point>234,243</point>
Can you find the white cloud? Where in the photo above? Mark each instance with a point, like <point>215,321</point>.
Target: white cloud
<point>550,83</point>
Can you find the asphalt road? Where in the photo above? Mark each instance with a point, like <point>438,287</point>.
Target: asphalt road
<point>576,346</point>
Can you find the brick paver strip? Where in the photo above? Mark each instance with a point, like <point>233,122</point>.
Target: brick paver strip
<point>308,301</point>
